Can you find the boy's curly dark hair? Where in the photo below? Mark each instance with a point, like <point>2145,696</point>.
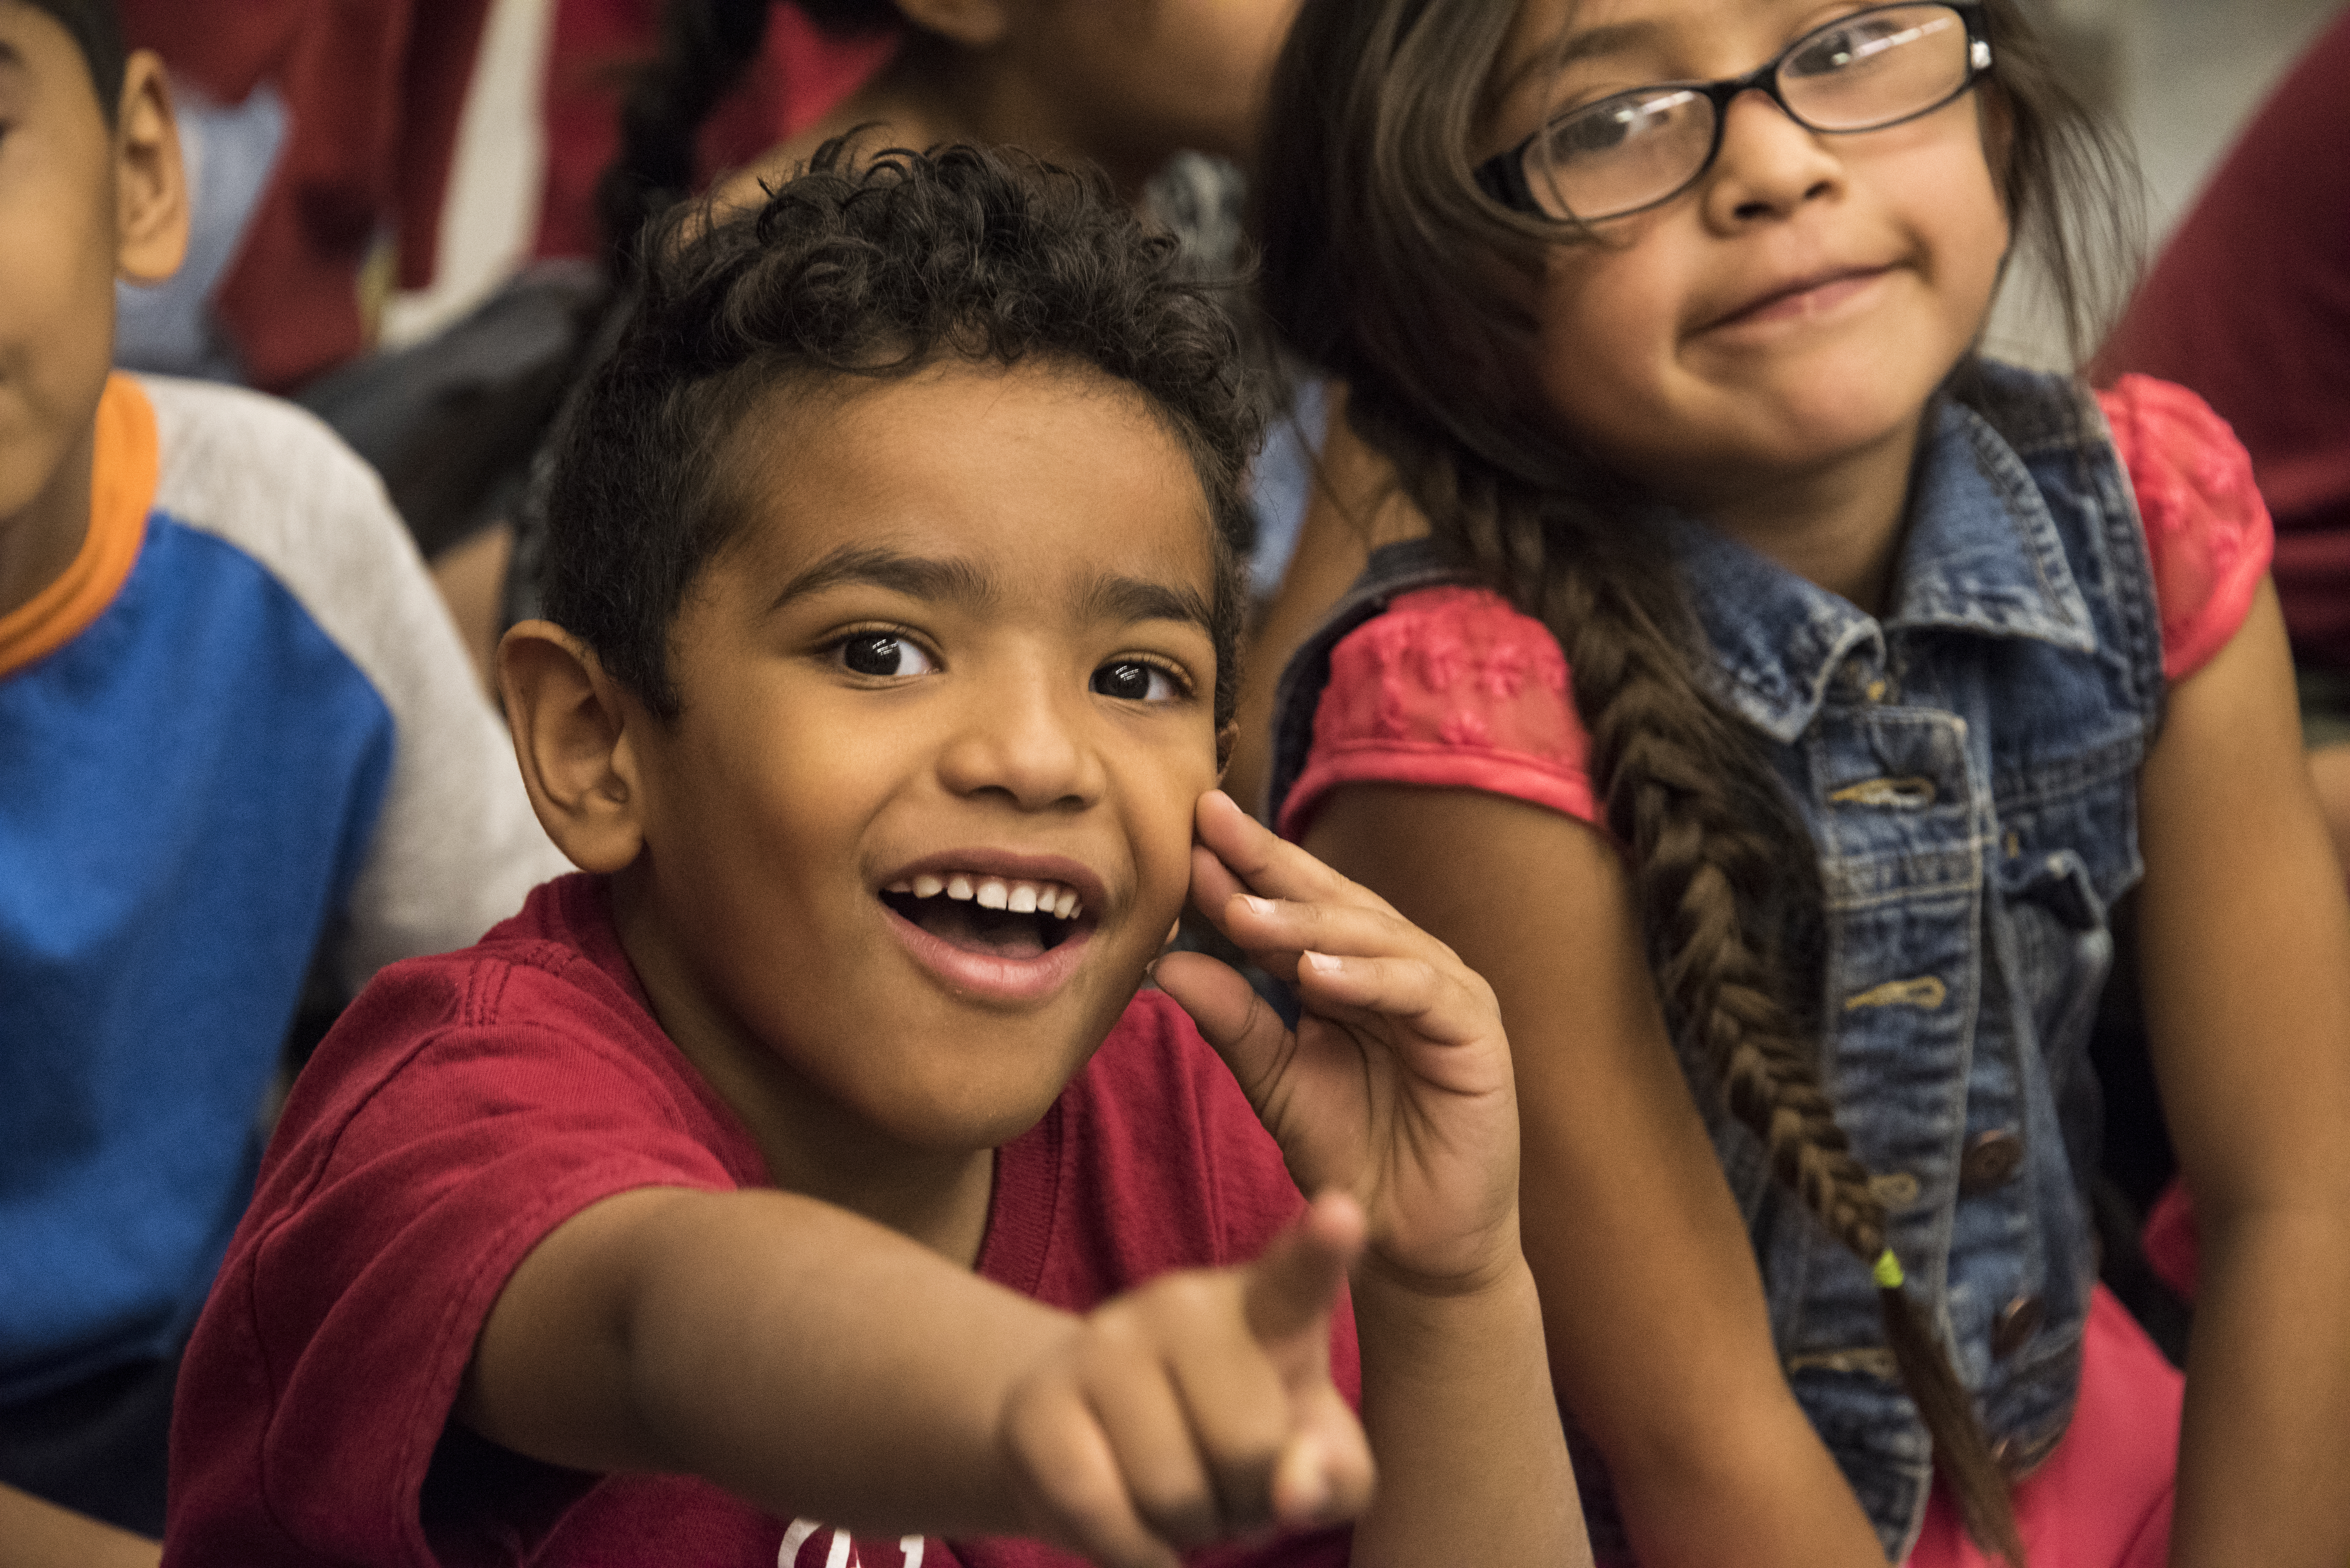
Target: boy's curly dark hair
<point>868,269</point>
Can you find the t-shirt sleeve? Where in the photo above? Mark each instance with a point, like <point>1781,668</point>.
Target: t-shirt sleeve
<point>1452,688</point>
<point>319,1384</point>
<point>454,847</point>
<point>2208,531</point>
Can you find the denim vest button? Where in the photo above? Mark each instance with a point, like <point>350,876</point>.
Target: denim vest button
<point>1990,1160</point>
<point>2018,1321</point>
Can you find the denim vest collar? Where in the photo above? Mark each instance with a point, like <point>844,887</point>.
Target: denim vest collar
<point>1982,555</point>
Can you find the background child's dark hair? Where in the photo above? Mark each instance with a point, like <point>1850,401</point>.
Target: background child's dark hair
<point>706,47</point>
<point>97,31</point>
<point>869,271</point>
<point>1372,225</point>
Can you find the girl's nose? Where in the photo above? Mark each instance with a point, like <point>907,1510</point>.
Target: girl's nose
<point>1769,165</point>
<point>1027,745</point>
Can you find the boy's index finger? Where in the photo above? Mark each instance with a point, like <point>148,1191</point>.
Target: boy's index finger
<point>1290,1287</point>
<point>1266,863</point>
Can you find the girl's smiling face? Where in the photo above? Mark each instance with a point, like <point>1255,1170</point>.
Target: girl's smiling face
<point>1793,308</point>
<point>958,655</point>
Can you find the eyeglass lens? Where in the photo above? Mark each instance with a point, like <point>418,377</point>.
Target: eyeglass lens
<point>1860,72</point>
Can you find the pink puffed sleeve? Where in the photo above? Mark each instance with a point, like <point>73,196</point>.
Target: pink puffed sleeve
<point>1452,688</point>
<point>2206,529</point>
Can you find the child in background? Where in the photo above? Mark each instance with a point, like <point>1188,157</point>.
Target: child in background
<point>1161,96</point>
<point>800,1183</point>
<point>1784,689</point>
<point>1124,84</point>
<point>236,732</point>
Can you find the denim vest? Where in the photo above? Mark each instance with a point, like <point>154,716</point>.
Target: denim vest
<point>1968,769</point>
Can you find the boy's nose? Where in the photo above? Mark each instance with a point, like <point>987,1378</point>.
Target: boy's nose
<point>1769,164</point>
<point>1028,744</point>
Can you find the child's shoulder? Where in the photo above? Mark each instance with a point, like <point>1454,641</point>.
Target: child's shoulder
<point>538,1035</point>
<point>266,476</point>
<point>1450,688</point>
<point>2209,537</point>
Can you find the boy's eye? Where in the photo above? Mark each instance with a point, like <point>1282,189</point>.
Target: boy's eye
<point>883,653</point>
<point>1136,680</point>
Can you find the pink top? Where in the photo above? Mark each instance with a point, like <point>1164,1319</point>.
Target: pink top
<point>1454,687</point>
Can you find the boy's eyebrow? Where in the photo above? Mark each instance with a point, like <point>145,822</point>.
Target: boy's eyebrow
<point>916,576</point>
<point>1139,598</point>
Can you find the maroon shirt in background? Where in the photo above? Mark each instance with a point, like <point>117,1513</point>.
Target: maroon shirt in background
<point>2250,305</point>
<point>374,90</point>
<point>468,1104</point>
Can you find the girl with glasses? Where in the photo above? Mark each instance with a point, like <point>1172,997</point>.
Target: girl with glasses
<point>1776,700</point>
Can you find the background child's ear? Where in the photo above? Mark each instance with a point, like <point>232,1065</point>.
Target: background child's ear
<point>571,724</point>
<point>151,184</point>
<point>970,24</point>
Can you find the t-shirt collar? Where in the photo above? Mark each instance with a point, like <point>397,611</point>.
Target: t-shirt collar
<point>1983,557</point>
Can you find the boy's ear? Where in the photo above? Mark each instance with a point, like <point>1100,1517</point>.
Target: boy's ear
<point>1226,739</point>
<point>150,184</point>
<point>571,733</point>
<point>969,23</point>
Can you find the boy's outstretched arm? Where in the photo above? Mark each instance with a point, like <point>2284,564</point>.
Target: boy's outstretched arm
<point>817,1364</point>
<point>1397,1088</point>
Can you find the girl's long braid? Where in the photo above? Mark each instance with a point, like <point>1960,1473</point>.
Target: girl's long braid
<point>1715,850</point>
<point>706,46</point>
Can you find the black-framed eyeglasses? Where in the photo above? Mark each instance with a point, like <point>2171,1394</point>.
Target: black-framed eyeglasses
<point>1635,150</point>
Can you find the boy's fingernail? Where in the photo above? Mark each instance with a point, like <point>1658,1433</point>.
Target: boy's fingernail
<point>1321,963</point>
<point>1257,906</point>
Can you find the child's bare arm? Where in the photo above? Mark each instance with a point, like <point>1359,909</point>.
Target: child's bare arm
<point>1660,1337</point>
<point>819,1363</point>
<point>2247,965</point>
<point>1397,1088</point>
<point>35,1533</point>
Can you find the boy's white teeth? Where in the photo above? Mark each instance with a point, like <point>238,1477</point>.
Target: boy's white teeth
<point>995,893</point>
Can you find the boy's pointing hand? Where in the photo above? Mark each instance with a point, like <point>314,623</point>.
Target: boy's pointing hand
<point>1396,1085</point>
<point>1197,1408</point>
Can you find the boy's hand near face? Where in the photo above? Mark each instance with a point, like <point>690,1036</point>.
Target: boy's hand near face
<point>1197,1408</point>
<point>1396,1088</point>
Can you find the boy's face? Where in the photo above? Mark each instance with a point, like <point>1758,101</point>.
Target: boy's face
<point>80,204</point>
<point>958,657</point>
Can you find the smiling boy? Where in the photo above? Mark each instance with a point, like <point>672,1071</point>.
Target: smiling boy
<point>237,734</point>
<point>806,1182</point>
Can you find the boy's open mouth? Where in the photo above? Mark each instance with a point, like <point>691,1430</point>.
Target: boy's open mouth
<point>999,916</point>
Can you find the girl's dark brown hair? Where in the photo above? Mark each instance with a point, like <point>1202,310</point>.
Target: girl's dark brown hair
<point>1385,265</point>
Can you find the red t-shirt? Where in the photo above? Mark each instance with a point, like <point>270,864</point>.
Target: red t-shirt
<point>470,1103</point>
<point>1452,687</point>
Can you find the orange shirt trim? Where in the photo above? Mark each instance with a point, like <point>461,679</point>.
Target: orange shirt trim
<point>124,471</point>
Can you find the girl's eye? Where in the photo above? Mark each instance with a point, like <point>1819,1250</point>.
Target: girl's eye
<point>1136,680</point>
<point>883,653</point>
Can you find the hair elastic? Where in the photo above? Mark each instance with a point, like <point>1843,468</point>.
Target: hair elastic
<point>1888,1270</point>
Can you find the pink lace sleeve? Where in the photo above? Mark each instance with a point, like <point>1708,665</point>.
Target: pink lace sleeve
<point>2206,529</point>
<point>1452,689</point>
